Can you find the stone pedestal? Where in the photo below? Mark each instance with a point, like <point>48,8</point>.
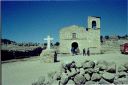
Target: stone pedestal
<point>47,56</point>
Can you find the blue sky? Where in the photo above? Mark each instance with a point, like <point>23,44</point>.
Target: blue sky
<point>31,21</point>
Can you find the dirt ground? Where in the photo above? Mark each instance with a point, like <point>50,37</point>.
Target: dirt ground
<point>26,71</point>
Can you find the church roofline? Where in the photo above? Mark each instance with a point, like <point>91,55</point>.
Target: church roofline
<point>68,27</point>
<point>95,16</point>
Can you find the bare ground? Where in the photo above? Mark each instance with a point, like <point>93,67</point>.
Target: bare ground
<point>26,71</point>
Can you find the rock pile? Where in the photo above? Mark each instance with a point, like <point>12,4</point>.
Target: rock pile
<point>89,72</point>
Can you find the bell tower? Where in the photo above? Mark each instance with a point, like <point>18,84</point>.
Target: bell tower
<point>93,22</point>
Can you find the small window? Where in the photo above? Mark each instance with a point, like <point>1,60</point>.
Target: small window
<point>74,35</point>
<point>94,24</point>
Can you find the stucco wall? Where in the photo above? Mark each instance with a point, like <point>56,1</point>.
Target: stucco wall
<point>85,39</point>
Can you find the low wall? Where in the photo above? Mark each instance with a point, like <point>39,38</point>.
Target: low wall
<point>11,54</point>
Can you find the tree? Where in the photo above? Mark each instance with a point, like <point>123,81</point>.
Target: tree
<point>57,44</point>
<point>107,37</point>
<point>7,41</point>
<point>45,44</point>
<point>118,36</point>
<point>126,36</point>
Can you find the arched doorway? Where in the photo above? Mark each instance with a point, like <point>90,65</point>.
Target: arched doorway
<point>74,47</point>
<point>94,24</point>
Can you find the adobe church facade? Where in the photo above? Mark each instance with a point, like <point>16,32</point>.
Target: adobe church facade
<point>81,37</point>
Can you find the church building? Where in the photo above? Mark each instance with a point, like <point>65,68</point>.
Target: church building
<point>80,37</point>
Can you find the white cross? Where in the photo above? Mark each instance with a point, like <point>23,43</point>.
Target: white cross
<point>48,41</point>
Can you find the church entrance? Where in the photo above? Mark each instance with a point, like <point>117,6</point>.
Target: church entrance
<point>75,45</point>
<point>74,48</point>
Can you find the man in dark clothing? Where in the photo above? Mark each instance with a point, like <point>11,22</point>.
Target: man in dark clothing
<point>88,52</point>
<point>84,53</point>
<point>70,65</point>
<point>55,57</point>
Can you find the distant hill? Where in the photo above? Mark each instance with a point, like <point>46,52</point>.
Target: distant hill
<point>7,41</point>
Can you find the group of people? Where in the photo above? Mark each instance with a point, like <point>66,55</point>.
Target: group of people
<point>74,51</point>
<point>86,53</point>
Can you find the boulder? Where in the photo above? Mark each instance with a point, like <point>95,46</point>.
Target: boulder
<point>73,75</point>
<point>116,76</point>
<point>70,82</point>
<point>122,74</point>
<point>95,77</point>
<point>64,75</point>
<point>82,71</point>
<point>73,70</point>
<point>121,68</point>
<point>124,80</point>
<point>89,70</point>
<point>121,81</point>
<point>127,76</point>
<point>103,81</point>
<point>108,76</point>
<point>126,66</point>
<point>111,68</point>
<point>70,73</point>
<point>91,83</point>
<point>102,65</point>
<point>96,70</point>
<point>89,64</point>
<point>87,76</point>
<point>117,82</point>
<point>78,65</point>
<point>101,72</point>
<point>64,79</point>
<point>79,79</point>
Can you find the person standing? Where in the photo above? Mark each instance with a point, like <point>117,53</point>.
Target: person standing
<point>72,51</point>
<point>84,52</point>
<point>88,52</point>
<point>55,57</point>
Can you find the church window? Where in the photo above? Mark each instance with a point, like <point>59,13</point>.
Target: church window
<point>94,24</point>
<point>74,35</point>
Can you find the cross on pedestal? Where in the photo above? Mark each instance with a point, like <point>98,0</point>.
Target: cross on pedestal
<point>48,41</point>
